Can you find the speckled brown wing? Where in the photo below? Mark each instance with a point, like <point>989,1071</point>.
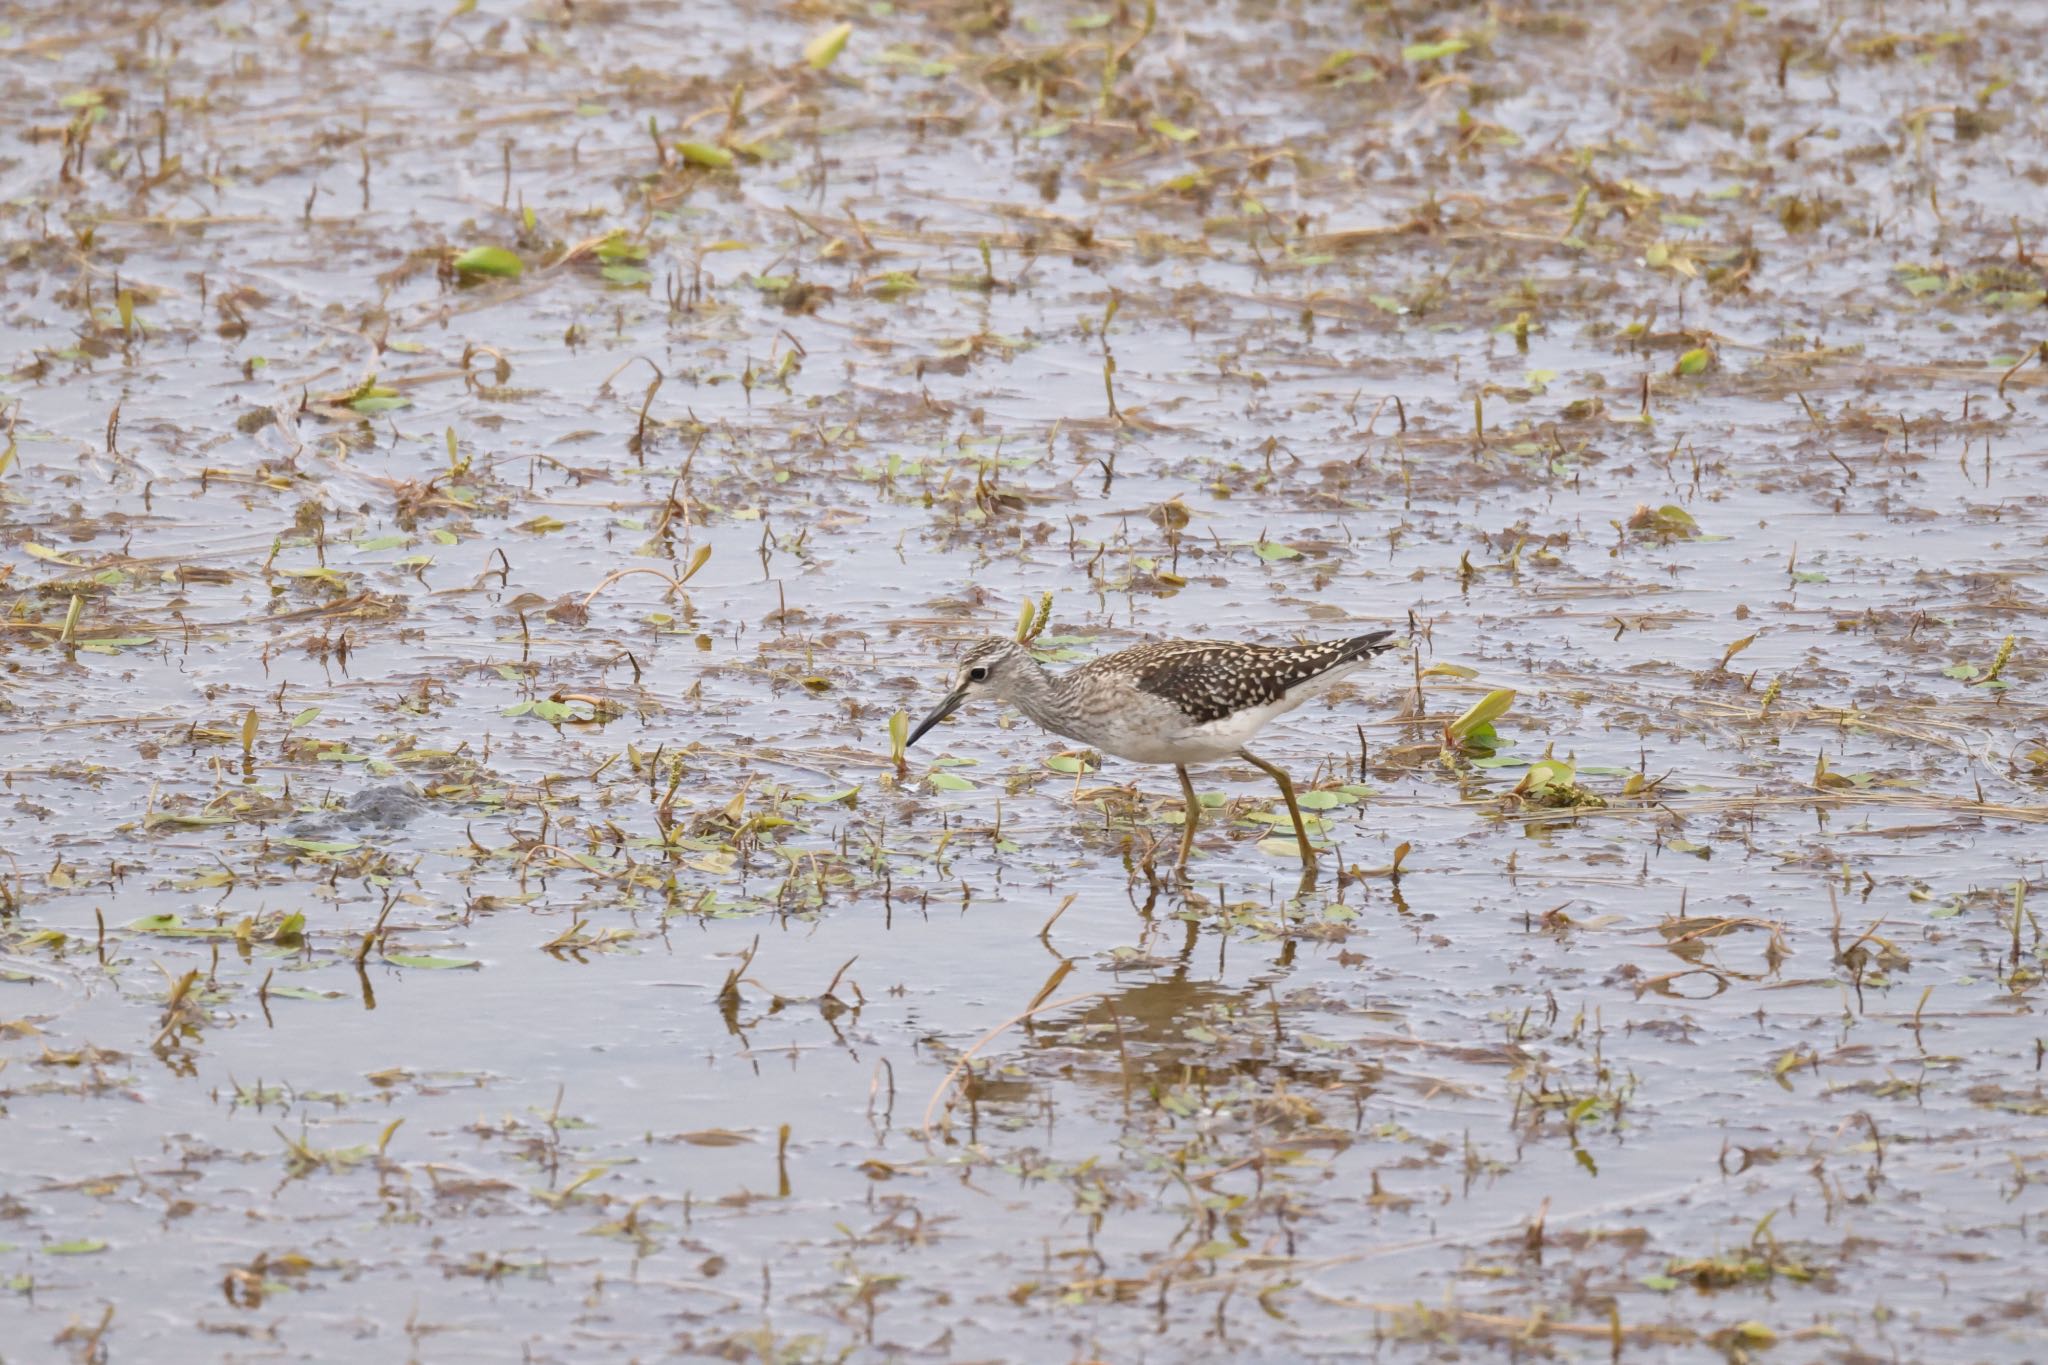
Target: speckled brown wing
<point>1211,680</point>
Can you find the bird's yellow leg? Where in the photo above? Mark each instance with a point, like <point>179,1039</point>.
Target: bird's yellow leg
<point>1308,853</point>
<point>1191,812</point>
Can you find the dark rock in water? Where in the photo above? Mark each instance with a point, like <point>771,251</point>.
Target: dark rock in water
<point>372,808</point>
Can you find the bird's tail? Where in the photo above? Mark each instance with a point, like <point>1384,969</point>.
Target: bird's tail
<point>1366,646</point>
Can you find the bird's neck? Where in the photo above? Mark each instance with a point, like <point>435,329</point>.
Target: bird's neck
<point>1037,694</point>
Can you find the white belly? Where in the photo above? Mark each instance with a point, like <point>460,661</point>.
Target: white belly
<point>1199,743</point>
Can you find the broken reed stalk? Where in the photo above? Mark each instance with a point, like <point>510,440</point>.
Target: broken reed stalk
<point>990,1037</point>
<point>1046,928</point>
<point>730,991</point>
<point>675,581</point>
<point>363,948</point>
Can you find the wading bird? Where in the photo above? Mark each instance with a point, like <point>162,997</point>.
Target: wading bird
<point>1177,701</point>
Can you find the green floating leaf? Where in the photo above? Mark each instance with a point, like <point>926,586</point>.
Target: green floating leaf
<point>188,819</point>
<point>323,845</point>
<point>494,261</point>
<point>1695,361</point>
<point>948,782</point>
<point>426,962</point>
<point>1673,517</point>
<point>844,794</point>
<point>1319,800</point>
<point>1429,52</point>
<point>164,923</point>
<point>894,284</point>
<point>1279,818</point>
<point>300,993</point>
<point>1271,551</point>
<point>1069,763</point>
<point>824,49</point>
<point>1485,711</point>
<point>627,274</point>
<point>1688,846</point>
<point>1961,672</point>
<point>83,1246</point>
<point>705,154</point>
<point>1483,737</point>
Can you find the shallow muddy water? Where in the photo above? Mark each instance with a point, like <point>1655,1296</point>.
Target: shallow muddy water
<point>420,938</point>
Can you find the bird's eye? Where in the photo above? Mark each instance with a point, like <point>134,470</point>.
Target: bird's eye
<point>978,673</point>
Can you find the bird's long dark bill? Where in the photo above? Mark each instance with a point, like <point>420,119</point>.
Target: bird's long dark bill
<point>938,713</point>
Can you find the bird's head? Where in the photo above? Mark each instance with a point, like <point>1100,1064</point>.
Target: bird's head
<point>987,668</point>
